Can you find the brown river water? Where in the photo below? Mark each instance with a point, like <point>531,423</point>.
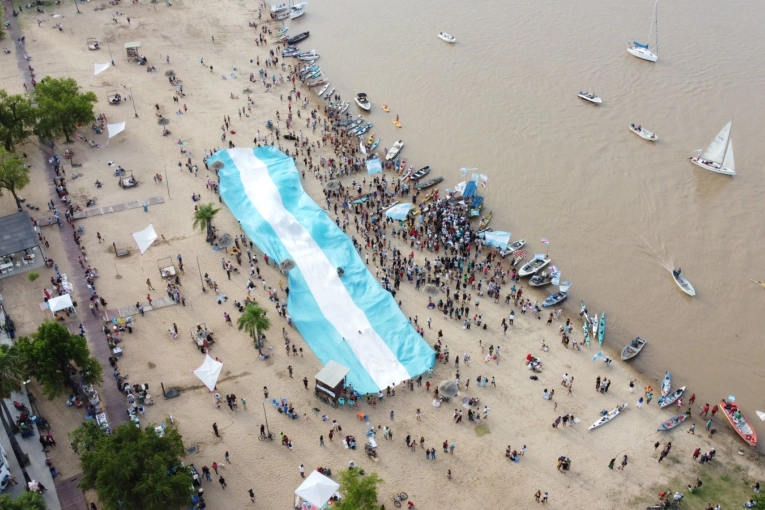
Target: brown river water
<point>619,211</point>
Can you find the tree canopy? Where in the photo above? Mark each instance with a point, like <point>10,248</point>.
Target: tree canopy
<point>135,469</point>
<point>51,355</point>
<point>17,119</point>
<point>254,321</point>
<point>27,501</point>
<point>359,491</point>
<point>14,174</point>
<point>203,218</point>
<point>61,107</point>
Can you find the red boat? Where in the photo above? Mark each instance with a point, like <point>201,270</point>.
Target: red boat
<point>739,422</point>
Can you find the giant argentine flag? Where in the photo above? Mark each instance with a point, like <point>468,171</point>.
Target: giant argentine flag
<point>351,320</point>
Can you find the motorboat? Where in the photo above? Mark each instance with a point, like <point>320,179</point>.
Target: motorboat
<point>608,417</point>
<point>282,15</point>
<point>363,101</point>
<point>718,157</point>
<point>683,282</point>
<point>671,398</point>
<point>317,83</point>
<point>590,97</point>
<point>447,37</point>
<point>298,38</point>
<point>643,133</point>
<point>672,423</point>
<point>512,247</point>
<point>539,280</point>
<point>298,10</point>
<point>554,299</point>
<point>280,8</point>
<point>419,174</point>
<point>311,57</point>
<point>739,422</point>
<point>633,348</point>
<point>393,152</point>
<point>534,265</point>
<point>429,183</point>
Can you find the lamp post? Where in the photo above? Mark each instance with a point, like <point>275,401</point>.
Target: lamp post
<point>132,99</point>
<point>77,7</point>
<point>200,274</point>
<point>110,51</point>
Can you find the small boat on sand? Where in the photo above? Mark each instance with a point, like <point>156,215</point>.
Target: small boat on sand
<point>534,265</point>
<point>683,282</point>
<point>590,97</point>
<point>512,247</point>
<point>363,101</point>
<point>672,423</point>
<point>633,348</point>
<point>643,133</point>
<point>323,89</point>
<point>739,422</point>
<point>429,183</point>
<point>419,174</point>
<point>666,384</point>
<point>608,417</point>
<point>671,398</point>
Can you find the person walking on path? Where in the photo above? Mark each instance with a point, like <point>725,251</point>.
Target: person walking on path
<point>302,471</point>
<point>624,463</point>
<point>228,459</point>
<point>215,467</point>
<point>252,495</point>
<point>321,440</point>
<point>222,482</point>
<point>148,283</point>
<point>692,430</point>
<point>215,429</point>
<point>537,495</point>
<point>611,464</point>
<point>305,382</point>
<point>148,298</point>
<point>704,410</point>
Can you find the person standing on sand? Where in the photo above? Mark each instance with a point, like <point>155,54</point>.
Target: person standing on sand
<point>624,463</point>
<point>611,464</point>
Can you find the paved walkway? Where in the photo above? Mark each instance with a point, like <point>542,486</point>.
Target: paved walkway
<point>98,211</point>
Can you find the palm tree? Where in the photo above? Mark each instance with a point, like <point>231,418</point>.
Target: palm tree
<point>203,219</point>
<point>254,321</point>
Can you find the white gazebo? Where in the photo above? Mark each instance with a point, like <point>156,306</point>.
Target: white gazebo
<point>59,303</point>
<point>316,490</point>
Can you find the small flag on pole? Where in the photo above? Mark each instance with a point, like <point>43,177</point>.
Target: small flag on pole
<point>545,240</point>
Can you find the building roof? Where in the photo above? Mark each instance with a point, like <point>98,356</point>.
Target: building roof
<point>332,374</point>
<point>17,233</point>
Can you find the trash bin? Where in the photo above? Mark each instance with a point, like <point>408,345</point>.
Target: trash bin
<point>145,207</point>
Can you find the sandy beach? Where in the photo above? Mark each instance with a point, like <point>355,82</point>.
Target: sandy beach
<point>176,38</point>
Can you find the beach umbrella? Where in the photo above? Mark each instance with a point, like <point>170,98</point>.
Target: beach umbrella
<point>163,121</point>
<point>217,165</point>
<point>287,265</point>
<point>431,290</point>
<point>448,389</point>
<point>225,241</point>
<point>333,185</point>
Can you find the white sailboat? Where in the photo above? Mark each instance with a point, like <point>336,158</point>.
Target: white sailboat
<point>641,50</point>
<point>719,155</point>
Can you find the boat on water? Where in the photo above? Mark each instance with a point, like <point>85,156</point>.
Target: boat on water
<point>545,277</point>
<point>485,221</point>
<point>385,108</point>
<point>641,50</point>
<point>323,89</point>
<point>374,145</point>
<point>278,16</point>
<point>298,38</point>
<point>683,282</point>
<point>739,422</point>
<point>534,265</point>
<point>280,8</point>
<point>608,417</point>
<point>643,133</point>
<point>280,32</point>
<point>590,97</point>
<point>666,384</point>
<point>554,299</point>
<point>393,152</point>
<point>343,107</point>
<point>512,248</point>
<point>364,129</point>
<point>298,10</point>
<point>310,58</point>
<point>672,423</point>
<point>633,348</point>
<point>718,157</point>
<point>602,328</point>
<point>429,183</point>
<point>363,101</point>
<point>317,83</point>
<point>419,174</point>
<point>670,398</point>
<point>447,37</point>
<point>329,94</point>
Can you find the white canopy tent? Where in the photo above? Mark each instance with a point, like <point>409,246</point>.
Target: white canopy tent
<point>317,489</point>
<point>59,303</point>
<point>145,237</point>
<point>115,129</point>
<point>209,371</point>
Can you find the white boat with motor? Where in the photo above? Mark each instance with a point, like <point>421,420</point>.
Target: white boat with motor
<point>683,282</point>
<point>298,10</point>
<point>363,101</point>
<point>641,50</point>
<point>323,89</point>
<point>393,152</point>
<point>279,8</point>
<point>533,266</point>
<point>718,157</point>
<point>512,247</point>
<point>447,37</point>
<point>590,97</point>
<point>643,133</point>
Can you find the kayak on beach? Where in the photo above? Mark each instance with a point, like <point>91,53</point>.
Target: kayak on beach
<point>608,417</point>
<point>672,423</point>
<point>666,384</point>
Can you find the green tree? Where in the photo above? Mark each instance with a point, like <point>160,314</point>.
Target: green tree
<point>135,469</point>
<point>53,353</point>
<point>61,107</point>
<point>254,321</point>
<point>17,119</point>
<point>27,501</point>
<point>359,491</point>
<point>203,219</point>
<point>11,379</point>
<point>14,174</point>
<point>85,437</point>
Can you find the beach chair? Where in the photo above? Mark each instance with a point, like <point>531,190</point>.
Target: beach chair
<point>341,401</point>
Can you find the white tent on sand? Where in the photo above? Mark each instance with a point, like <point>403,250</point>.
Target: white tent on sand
<point>317,489</point>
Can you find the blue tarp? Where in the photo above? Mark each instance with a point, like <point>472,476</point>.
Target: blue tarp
<point>470,189</point>
<point>374,166</point>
